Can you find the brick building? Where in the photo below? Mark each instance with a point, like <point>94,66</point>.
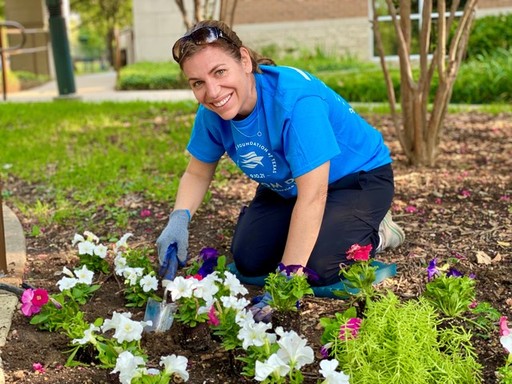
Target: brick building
<point>340,26</point>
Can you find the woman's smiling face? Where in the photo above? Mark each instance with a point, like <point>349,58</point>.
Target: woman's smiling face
<point>221,83</point>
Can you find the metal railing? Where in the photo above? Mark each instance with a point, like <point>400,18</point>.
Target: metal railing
<point>15,28</point>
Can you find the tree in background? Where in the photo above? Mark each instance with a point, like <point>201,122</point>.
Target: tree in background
<point>105,17</point>
<point>205,9</point>
<point>2,9</point>
<point>420,129</point>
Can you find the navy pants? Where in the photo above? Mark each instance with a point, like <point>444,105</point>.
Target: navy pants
<point>356,204</point>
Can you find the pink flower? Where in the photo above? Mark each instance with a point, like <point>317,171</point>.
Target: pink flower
<point>411,209</point>
<point>465,193</point>
<point>38,367</point>
<point>504,330</point>
<point>145,213</point>
<point>32,301</point>
<point>212,317</point>
<point>40,297</point>
<point>438,201</point>
<point>351,327</point>
<point>359,252</point>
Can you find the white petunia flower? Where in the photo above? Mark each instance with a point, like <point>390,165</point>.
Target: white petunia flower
<point>101,251</point>
<point>115,321</point>
<point>255,334</point>
<point>133,274</point>
<point>121,243</point>
<point>244,316</point>
<point>129,330</point>
<point>149,283</point>
<point>234,285</point>
<point>506,342</point>
<point>77,239</point>
<point>91,236</point>
<point>89,337</point>
<point>67,283</point>
<point>328,371</point>
<point>66,271</point>
<point>86,248</point>
<point>293,349</point>
<point>128,367</point>
<point>273,365</point>
<point>175,365</point>
<point>181,287</point>
<point>205,289</point>
<point>120,264</point>
<point>233,302</point>
<point>84,275</point>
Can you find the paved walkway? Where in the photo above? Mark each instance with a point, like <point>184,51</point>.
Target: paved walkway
<point>89,88</point>
<point>97,87</point>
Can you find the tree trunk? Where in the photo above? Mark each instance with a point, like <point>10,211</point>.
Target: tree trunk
<point>419,132</point>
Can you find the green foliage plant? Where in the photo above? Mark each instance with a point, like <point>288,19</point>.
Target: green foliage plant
<point>403,343</point>
<point>451,295</point>
<point>287,289</point>
<point>490,33</point>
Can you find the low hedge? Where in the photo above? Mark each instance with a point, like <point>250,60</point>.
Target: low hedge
<point>485,79</point>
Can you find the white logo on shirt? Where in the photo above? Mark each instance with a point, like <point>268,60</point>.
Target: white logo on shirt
<point>251,160</point>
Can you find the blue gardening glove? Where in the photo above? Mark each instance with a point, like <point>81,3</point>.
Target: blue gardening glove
<point>176,231</point>
<point>169,267</point>
<point>261,309</point>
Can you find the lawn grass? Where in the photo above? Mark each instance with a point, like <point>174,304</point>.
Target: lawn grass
<point>82,156</point>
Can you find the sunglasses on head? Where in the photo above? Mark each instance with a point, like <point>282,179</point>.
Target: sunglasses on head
<point>200,36</point>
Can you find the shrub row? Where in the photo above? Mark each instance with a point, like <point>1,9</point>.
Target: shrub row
<point>484,79</point>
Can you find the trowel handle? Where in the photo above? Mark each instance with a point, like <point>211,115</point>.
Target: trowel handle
<point>170,265</point>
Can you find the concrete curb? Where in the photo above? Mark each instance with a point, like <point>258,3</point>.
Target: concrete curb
<point>16,258</point>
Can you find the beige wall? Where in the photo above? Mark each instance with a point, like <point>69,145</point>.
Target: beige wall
<point>31,14</point>
<point>334,25</point>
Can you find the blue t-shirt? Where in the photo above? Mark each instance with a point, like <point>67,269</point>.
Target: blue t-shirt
<point>297,125</point>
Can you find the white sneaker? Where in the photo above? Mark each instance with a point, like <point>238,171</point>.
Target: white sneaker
<point>391,235</point>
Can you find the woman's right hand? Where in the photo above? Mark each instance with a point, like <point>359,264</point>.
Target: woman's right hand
<point>176,231</point>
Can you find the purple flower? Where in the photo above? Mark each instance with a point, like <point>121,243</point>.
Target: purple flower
<point>294,268</point>
<point>454,272</point>
<point>325,350</point>
<point>432,269</point>
<point>209,257</point>
<point>209,253</point>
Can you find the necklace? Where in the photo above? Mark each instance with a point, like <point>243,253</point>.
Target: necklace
<point>248,124</point>
<point>243,134</point>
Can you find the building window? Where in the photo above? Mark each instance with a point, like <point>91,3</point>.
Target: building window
<point>387,30</point>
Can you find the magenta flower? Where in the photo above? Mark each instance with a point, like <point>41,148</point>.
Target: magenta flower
<point>145,213</point>
<point>358,252</point>
<point>38,367</point>
<point>504,330</point>
<point>212,317</point>
<point>40,297</point>
<point>350,328</point>
<point>33,300</point>
<point>411,209</point>
<point>465,193</point>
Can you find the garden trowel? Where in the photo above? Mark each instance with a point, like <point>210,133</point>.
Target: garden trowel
<point>161,313</point>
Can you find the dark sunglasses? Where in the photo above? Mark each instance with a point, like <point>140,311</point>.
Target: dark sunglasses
<point>203,35</point>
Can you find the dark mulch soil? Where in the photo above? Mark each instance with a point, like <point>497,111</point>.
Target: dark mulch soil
<point>462,208</point>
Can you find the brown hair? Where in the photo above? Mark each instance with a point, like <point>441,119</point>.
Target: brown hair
<point>231,45</point>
